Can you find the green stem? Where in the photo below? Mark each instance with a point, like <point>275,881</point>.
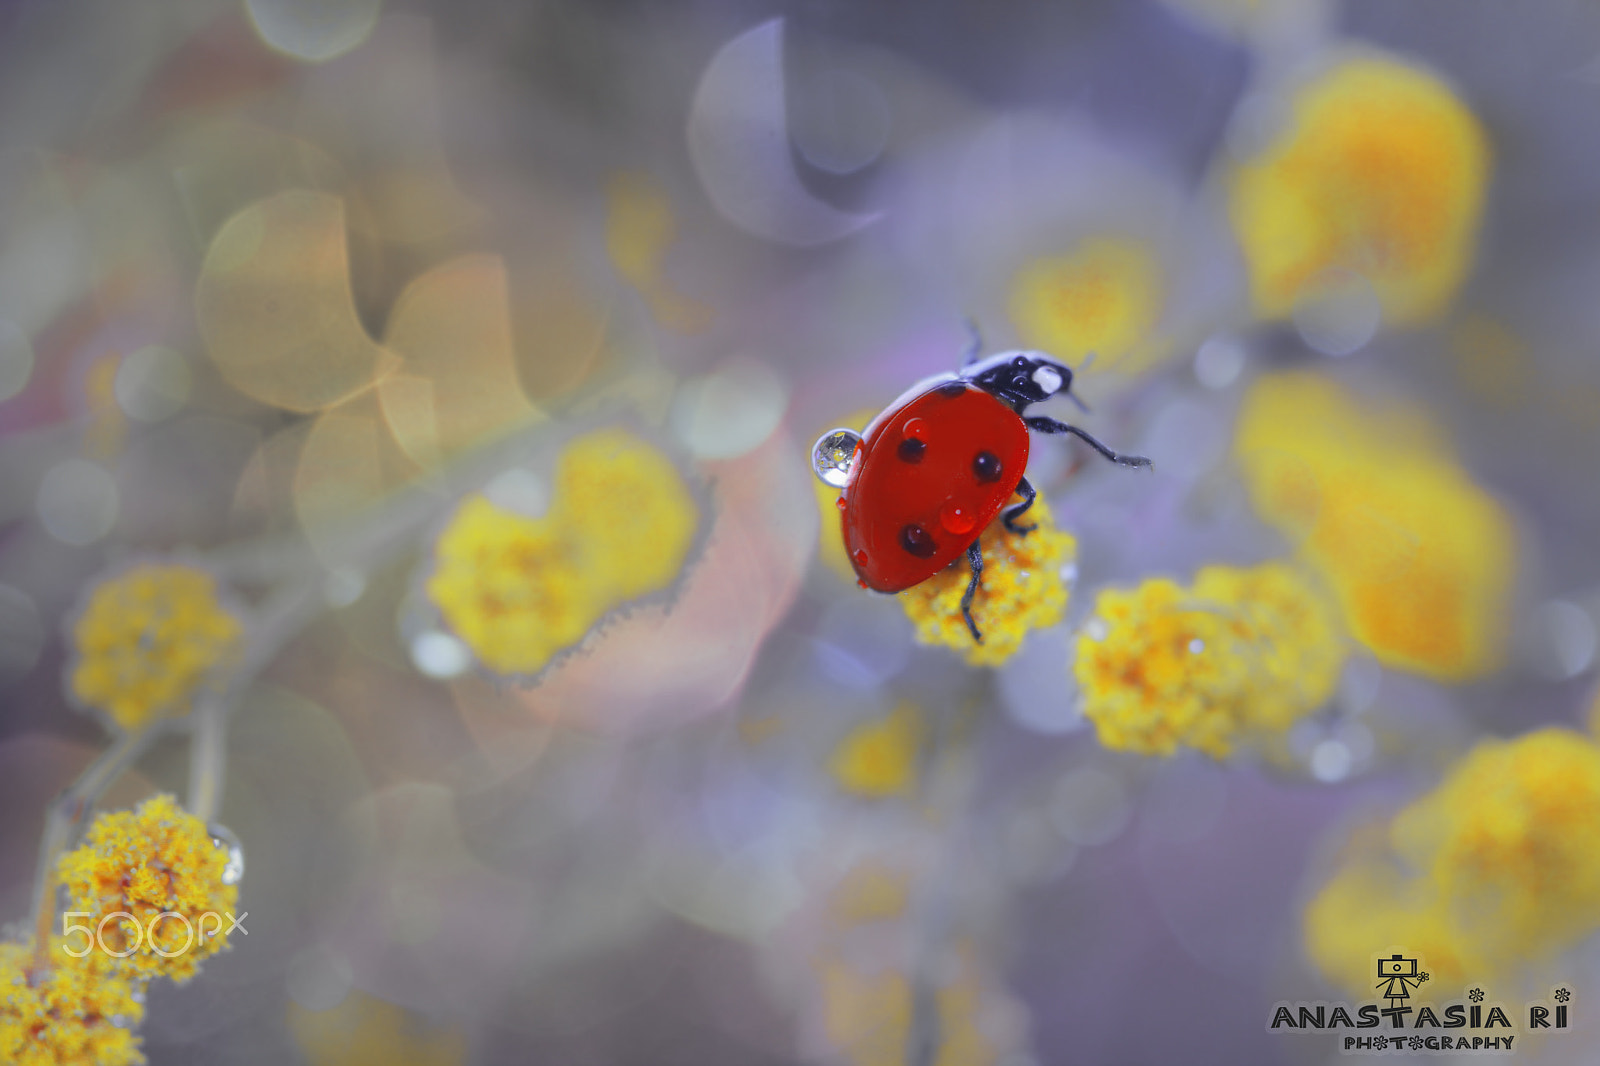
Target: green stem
<point>67,815</point>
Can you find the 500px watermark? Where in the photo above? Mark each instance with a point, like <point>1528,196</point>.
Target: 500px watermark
<point>94,934</point>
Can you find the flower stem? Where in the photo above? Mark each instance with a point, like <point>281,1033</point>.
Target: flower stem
<point>67,814</point>
<point>280,618</point>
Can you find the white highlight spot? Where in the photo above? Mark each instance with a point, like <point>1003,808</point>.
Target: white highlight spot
<point>439,655</point>
<point>728,413</point>
<point>1219,362</point>
<point>343,586</point>
<point>152,383</point>
<point>738,137</point>
<point>313,31</point>
<point>840,121</point>
<point>77,502</point>
<point>1331,761</point>
<point>1047,379</point>
<point>1339,319</point>
<point>520,491</point>
<point>1570,635</point>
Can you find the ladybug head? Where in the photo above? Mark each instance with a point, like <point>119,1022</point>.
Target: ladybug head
<point>1021,378</point>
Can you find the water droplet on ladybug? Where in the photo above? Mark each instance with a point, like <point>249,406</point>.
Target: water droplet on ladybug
<point>915,429</point>
<point>957,519</point>
<point>915,539</point>
<point>832,455</point>
<point>840,503</point>
<point>861,581</point>
<point>986,466</point>
<point>861,558</point>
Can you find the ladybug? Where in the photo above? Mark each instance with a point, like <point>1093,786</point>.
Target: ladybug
<point>934,469</point>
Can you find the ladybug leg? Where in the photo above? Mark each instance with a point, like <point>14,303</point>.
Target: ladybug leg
<point>975,348</point>
<point>1025,490</point>
<point>975,558</point>
<point>1050,425</point>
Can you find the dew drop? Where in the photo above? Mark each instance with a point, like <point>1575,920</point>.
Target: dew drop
<point>860,557</point>
<point>832,455</point>
<point>916,429</point>
<point>222,837</point>
<point>957,519</point>
<point>840,503</point>
<point>861,581</point>
<point>915,539</point>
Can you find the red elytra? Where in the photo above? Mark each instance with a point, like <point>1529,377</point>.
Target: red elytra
<point>931,472</point>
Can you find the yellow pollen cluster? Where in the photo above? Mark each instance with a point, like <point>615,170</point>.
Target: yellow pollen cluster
<point>1022,589</point>
<point>879,757</point>
<point>148,641</point>
<point>1418,557</point>
<point>72,1012</point>
<point>145,862</point>
<point>1493,870</point>
<point>1103,297</point>
<point>1380,173</point>
<point>1240,654</point>
<point>518,589</point>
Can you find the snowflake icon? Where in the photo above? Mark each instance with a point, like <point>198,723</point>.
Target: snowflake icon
<point>1416,1042</point>
<point>1476,995</point>
<point>1562,995</point>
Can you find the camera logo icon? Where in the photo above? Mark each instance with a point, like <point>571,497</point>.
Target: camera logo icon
<point>1397,976</point>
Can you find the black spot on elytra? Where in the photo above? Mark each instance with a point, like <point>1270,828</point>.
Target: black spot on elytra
<point>910,450</point>
<point>952,388</point>
<point>915,539</point>
<point>986,466</point>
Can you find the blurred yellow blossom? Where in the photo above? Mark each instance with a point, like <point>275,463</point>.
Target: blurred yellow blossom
<point>145,862</point>
<point>1295,639</point>
<point>879,757</point>
<point>1419,558</point>
<point>1494,869</point>
<point>868,1015</point>
<point>1372,907</point>
<point>873,891</point>
<point>1507,841</point>
<point>1380,172</point>
<point>1241,654</point>
<point>626,508</point>
<point>148,640</point>
<point>640,230</point>
<point>510,586</point>
<point>1103,297</point>
<point>73,1012</point>
<point>365,1031</point>
<point>519,589</point>
<point>1022,589</point>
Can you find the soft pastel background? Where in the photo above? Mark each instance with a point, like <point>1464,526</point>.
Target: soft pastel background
<point>284,282</point>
